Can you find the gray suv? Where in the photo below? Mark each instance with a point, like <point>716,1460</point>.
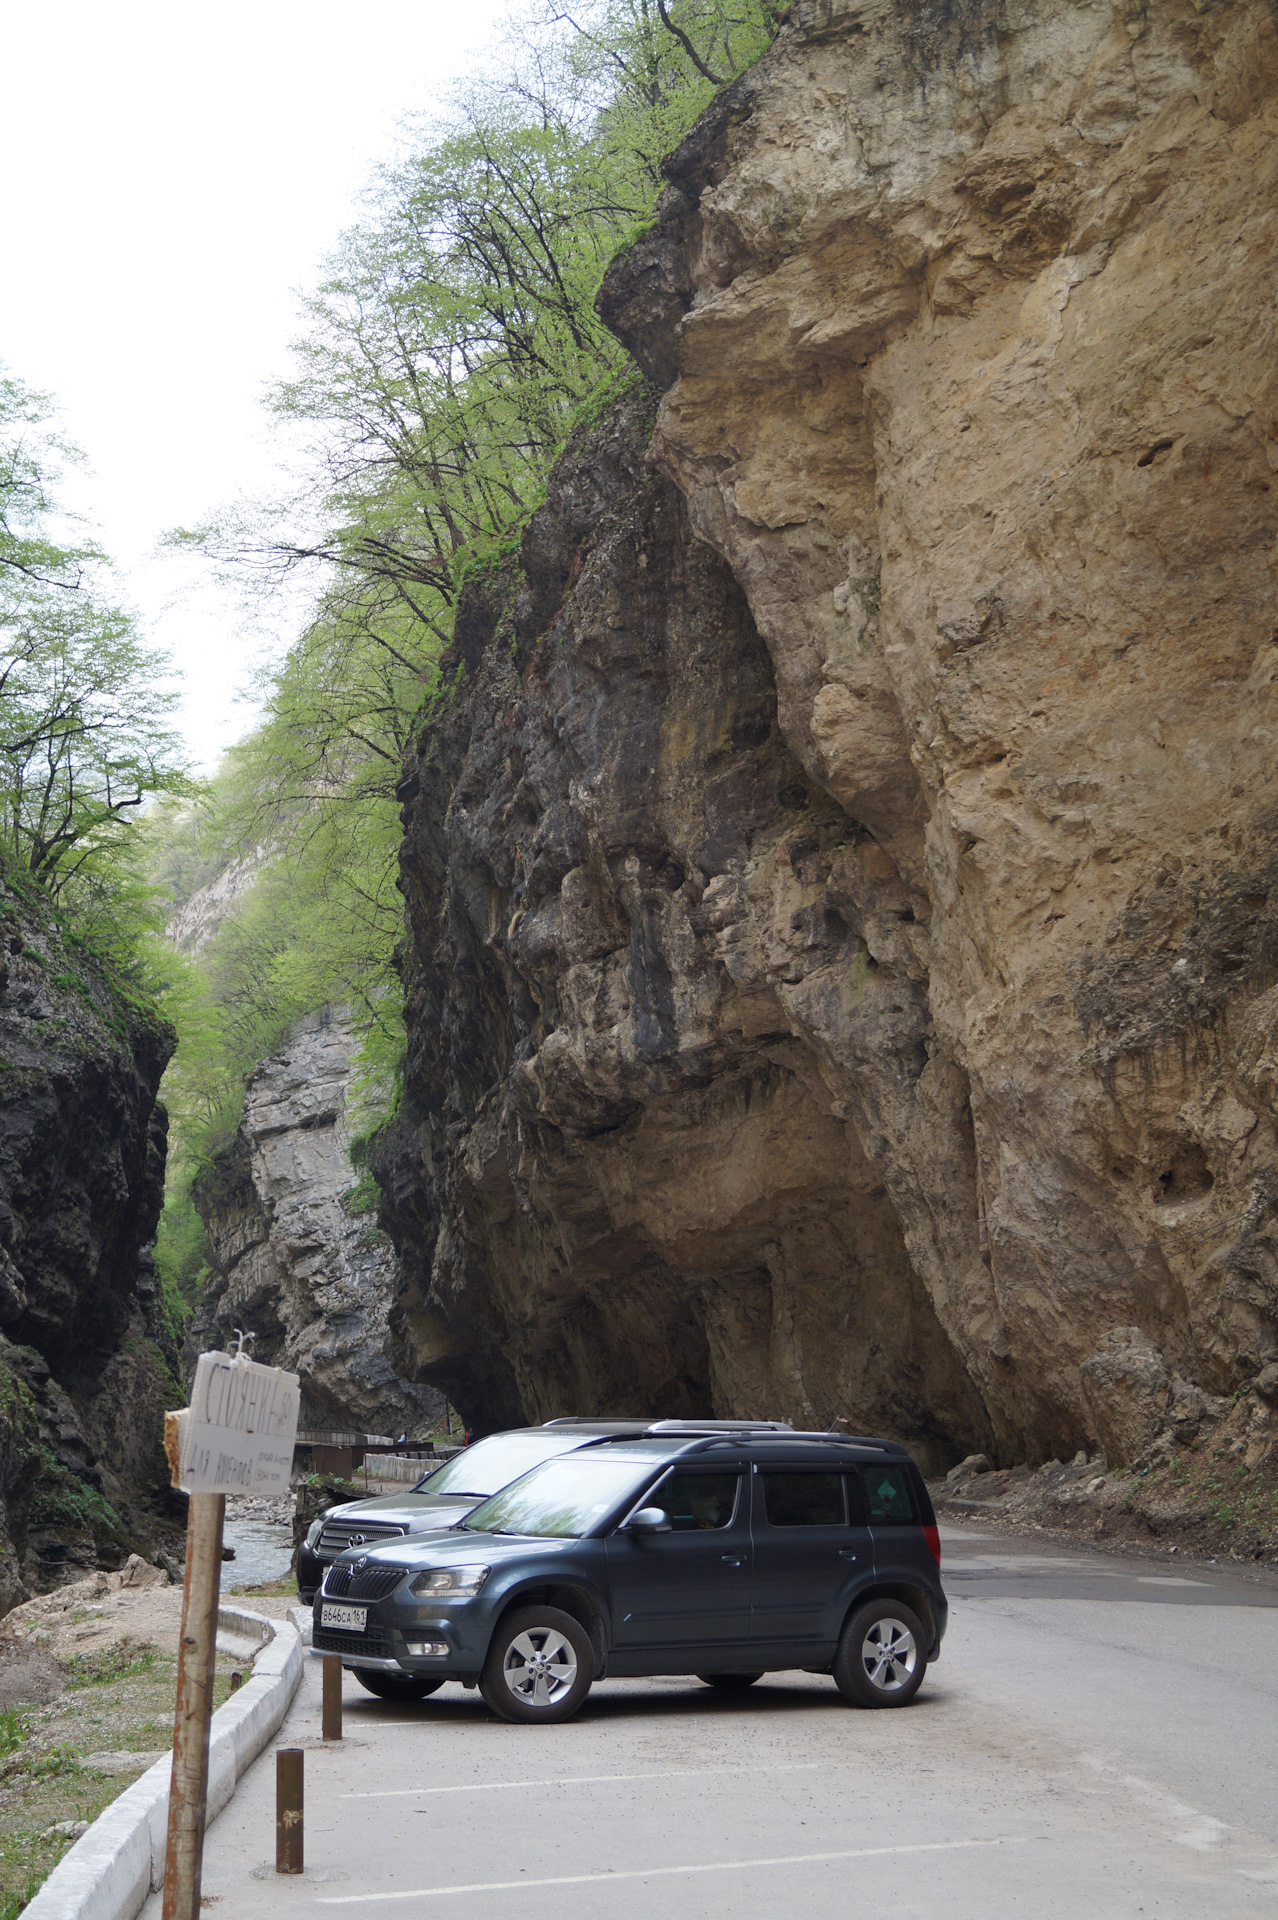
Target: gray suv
<point>725,1554</point>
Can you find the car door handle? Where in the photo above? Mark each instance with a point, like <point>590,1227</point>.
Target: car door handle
<point>733,1559</point>
<point>847,1553</point>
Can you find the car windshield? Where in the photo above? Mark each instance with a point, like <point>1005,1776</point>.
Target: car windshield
<point>494,1463</point>
<point>562,1500</point>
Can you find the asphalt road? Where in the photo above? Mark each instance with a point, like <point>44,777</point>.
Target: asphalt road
<point>1099,1740</point>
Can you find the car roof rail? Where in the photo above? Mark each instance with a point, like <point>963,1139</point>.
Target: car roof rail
<point>597,1420</point>
<point>710,1434</point>
<point>729,1428</point>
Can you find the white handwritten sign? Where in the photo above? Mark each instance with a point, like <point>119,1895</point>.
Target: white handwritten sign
<point>237,1434</point>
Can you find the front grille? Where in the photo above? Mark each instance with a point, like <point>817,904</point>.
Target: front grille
<point>376,1643</point>
<point>361,1583</point>
<point>340,1534</point>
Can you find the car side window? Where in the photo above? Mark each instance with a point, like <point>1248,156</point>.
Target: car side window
<point>697,1501</point>
<point>890,1498</point>
<point>803,1499</point>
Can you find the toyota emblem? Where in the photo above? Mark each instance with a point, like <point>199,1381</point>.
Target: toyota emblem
<point>358,1539</point>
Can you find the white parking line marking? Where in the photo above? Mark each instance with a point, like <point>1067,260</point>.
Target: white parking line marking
<point>581,1780</point>
<point>652,1873</point>
<point>1167,1580</point>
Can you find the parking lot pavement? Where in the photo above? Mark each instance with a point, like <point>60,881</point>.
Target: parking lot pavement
<point>1091,1745</point>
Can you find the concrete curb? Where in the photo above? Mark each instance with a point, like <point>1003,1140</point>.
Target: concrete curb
<point>242,1634</point>
<point>109,1872</point>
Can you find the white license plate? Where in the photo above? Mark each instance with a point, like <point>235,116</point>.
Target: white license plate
<point>350,1619</point>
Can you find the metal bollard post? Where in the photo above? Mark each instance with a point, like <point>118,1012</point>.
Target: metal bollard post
<point>332,1698</point>
<point>288,1809</point>
<point>332,1718</point>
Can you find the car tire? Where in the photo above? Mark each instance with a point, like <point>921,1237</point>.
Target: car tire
<point>539,1668</point>
<point>395,1686</point>
<point>881,1662</point>
<point>730,1682</point>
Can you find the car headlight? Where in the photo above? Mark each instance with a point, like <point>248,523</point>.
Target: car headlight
<point>316,1529</point>
<point>449,1583</point>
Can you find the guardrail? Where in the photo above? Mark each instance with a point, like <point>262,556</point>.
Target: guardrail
<point>405,1467</point>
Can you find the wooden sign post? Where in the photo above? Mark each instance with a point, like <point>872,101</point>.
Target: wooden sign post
<point>197,1654</point>
<point>235,1437</point>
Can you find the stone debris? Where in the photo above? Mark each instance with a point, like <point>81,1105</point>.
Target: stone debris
<point>974,1463</point>
<point>137,1605</point>
<point>88,1597</point>
<point>251,1506</point>
<point>1206,1485</point>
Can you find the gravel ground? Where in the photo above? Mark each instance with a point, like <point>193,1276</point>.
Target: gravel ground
<point>105,1610</point>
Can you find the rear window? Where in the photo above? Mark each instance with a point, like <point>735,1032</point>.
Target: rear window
<point>889,1496</point>
<point>803,1499</point>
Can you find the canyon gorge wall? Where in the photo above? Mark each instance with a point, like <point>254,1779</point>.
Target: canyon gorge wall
<point>86,1357</point>
<point>296,1255</point>
<point>840,858</point>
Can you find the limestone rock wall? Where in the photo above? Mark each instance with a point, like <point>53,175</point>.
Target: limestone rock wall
<point>295,1262</point>
<point>619,1180</point>
<point>840,886</point>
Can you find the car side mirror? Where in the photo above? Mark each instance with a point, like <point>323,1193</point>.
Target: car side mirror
<point>650,1520</point>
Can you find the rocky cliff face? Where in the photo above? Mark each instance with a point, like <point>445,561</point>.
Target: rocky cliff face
<point>297,1258</point>
<point>841,884</point>
<point>619,1180</point>
<point>85,1357</point>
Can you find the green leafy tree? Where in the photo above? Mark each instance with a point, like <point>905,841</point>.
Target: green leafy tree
<point>85,738</point>
<point>33,459</point>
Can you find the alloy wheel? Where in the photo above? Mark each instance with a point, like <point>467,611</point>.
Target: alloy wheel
<point>540,1666</point>
<point>889,1654</point>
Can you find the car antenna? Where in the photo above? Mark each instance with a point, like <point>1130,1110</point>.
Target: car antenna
<point>839,1420</point>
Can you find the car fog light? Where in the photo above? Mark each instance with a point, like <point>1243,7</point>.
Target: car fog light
<point>424,1648</point>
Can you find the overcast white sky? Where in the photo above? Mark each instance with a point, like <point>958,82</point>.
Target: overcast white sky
<point>172,175</point>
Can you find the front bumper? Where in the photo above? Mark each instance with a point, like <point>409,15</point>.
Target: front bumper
<point>381,1666</point>
<point>384,1643</point>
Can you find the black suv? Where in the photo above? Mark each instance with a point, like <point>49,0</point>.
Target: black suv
<point>724,1554</point>
<point>445,1494</point>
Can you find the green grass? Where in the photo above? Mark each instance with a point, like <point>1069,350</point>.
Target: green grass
<point>12,1903</point>
<point>122,1662</point>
